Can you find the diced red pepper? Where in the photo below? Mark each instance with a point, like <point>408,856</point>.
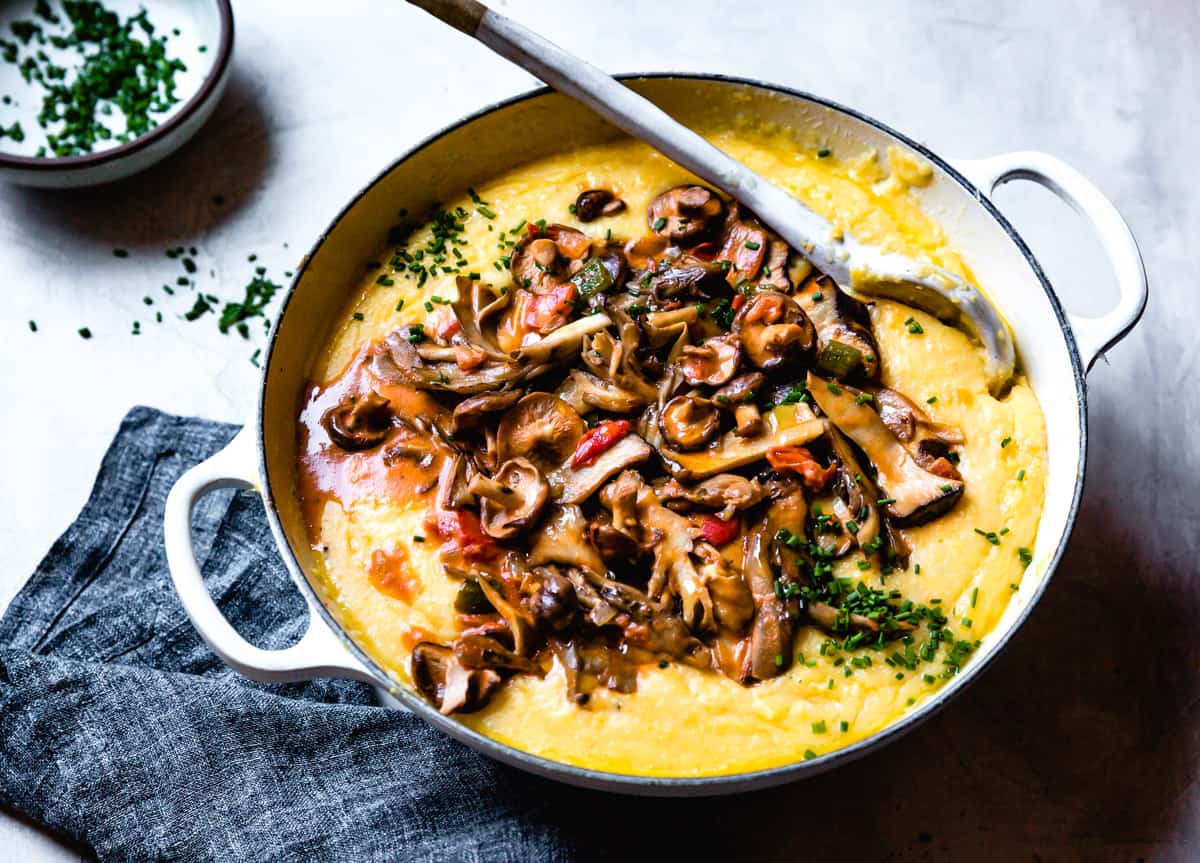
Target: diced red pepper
<point>706,251</point>
<point>597,440</point>
<point>549,311</point>
<point>739,300</point>
<point>462,526</point>
<point>800,461</point>
<point>719,532</point>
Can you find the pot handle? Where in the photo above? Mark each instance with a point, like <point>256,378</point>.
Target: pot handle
<point>1094,336</point>
<point>319,653</point>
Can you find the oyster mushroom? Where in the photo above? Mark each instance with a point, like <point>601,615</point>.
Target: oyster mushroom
<point>563,538</point>
<point>541,427</point>
<point>564,341</point>
<point>511,501</point>
<point>577,484</point>
<point>613,360</point>
<point>727,493</point>
<point>584,391</point>
<point>712,362</point>
<point>845,345</point>
<point>769,653</point>
<point>773,330</point>
<point>440,677</point>
<point>594,203</point>
<point>916,495</point>
<point>689,422</point>
<point>685,215</point>
<point>397,361</point>
<point>732,602</point>
<point>358,422</point>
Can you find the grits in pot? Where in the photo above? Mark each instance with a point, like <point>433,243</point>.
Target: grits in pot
<point>601,467</point>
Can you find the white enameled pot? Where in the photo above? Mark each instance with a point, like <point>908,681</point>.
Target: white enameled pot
<point>1056,350</point>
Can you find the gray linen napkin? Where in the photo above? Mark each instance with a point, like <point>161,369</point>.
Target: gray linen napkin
<point>120,730</point>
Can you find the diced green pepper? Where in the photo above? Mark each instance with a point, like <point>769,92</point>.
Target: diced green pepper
<point>839,359</point>
<point>471,599</point>
<point>593,278</point>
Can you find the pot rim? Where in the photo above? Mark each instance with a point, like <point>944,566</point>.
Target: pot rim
<point>682,785</point>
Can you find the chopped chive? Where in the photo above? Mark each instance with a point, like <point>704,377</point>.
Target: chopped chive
<point>819,727</point>
<point>1005,442</point>
<point>1021,475</point>
<point>823,153</point>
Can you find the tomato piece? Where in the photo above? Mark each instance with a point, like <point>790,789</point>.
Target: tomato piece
<point>705,251</point>
<point>597,440</point>
<point>719,532</point>
<point>739,300</point>
<point>443,323</point>
<point>462,526</point>
<point>800,461</point>
<point>549,311</point>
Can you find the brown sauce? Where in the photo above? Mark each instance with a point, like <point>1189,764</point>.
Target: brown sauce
<point>398,469</point>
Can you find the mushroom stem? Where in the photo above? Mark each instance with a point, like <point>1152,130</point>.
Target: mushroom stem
<point>749,420</point>
<point>485,487</point>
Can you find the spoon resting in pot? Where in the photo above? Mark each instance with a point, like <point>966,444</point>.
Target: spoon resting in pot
<point>862,268</point>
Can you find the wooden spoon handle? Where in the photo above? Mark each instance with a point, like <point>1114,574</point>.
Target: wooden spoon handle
<point>463,15</point>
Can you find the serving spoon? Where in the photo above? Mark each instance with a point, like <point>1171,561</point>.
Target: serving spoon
<point>862,268</point>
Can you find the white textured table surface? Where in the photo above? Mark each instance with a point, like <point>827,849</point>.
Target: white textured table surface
<point>1082,742</point>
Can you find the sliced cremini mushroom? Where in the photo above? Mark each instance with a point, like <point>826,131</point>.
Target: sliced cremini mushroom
<point>712,362</point>
<point>470,411</point>
<point>440,677</point>
<point>774,331</point>
<point>743,247</point>
<point>541,260</point>
<point>909,422</point>
<point>511,501</point>
<point>845,344</point>
<point>594,203</point>
<point>791,425</point>
<point>476,651</point>
<point>741,389</point>
<point>689,422</point>
<point>359,422</point>
<point>915,494</point>
<point>686,215</point>
<point>680,277</point>
<point>553,605</point>
<point>540,427</point>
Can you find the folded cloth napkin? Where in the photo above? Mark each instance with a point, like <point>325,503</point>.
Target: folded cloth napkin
<point>121,730</point>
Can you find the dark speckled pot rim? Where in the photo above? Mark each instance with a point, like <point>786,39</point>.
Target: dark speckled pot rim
<point>686,785</point>
<point>221,58</point>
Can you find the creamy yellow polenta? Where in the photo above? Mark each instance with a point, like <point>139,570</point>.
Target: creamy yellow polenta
<point>681,721</point>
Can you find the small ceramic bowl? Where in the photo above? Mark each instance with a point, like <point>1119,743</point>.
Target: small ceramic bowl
<point>204,42</point>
